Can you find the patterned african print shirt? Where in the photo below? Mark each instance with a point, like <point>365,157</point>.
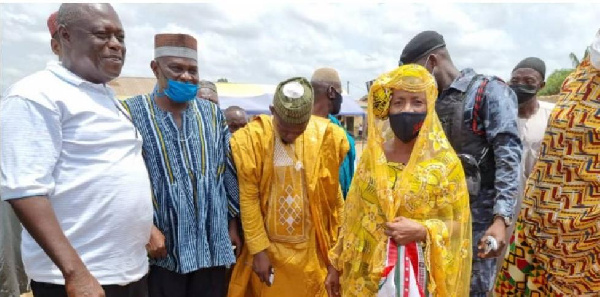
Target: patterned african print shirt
<point>194,181</point>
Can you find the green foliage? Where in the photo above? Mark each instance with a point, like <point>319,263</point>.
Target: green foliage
<point>222,80</point>
<point>554,82</point>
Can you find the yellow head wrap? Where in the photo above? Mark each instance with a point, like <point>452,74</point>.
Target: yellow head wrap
<point>410,78</point>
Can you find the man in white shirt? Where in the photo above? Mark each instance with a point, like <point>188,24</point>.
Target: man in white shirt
<point>526,80</point>
<point>71,166</point>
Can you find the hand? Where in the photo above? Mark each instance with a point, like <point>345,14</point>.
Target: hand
<point>404,231</point>
<point>83,284</point>
<point>156,246</point>
<point>234,235</point>
<point>262,267</point>
<point>332,282</point>
<point>498,231</point>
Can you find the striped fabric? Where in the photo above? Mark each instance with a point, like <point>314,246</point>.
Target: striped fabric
<point>194,182</point>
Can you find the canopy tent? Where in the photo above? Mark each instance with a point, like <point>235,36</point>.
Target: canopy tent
<point>254,98</point>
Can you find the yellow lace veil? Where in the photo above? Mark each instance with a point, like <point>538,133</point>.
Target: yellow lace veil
<point>431,190</point>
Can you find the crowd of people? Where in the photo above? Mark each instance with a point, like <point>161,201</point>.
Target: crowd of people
<point>166,195</point>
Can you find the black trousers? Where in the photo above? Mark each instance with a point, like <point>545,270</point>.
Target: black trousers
<point>135,289</point>
<point>207,282</point>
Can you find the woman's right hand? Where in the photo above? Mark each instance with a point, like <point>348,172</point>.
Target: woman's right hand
<point>332,282</point>
<point>404,231</point>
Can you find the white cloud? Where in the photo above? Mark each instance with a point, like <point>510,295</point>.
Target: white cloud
<point>254,43</point>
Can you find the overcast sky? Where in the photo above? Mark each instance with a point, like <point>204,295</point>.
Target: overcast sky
<point>267,43</point>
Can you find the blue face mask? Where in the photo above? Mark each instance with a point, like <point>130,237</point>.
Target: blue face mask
<point>180,92</point>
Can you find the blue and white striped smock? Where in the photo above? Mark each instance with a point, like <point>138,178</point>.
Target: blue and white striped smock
<point>194,181</point>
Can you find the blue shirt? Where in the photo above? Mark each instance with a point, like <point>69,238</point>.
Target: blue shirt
<point>347,168</point>
<point>194,182</point>
<point>498,118</point>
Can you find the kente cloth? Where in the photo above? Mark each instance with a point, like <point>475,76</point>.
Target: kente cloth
<point>347,168</point>
<point>291,205</point>
<point>431,190</point>
<point>555,247</point>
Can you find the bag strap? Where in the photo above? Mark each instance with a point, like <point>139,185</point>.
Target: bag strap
<point>477,106</point>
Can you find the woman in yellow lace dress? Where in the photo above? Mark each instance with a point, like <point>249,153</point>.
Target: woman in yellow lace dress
<point>406,229</point>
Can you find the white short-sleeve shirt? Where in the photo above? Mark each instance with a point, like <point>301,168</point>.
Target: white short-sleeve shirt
<point>532,131</point>
<point>69,139</point>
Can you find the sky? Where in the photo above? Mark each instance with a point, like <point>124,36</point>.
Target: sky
<point>270,42</point>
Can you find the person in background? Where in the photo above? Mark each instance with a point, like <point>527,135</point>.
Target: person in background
<point>208,91</point>
<point>328,104</point>
<point>527,79</point>
<point>236,118</point>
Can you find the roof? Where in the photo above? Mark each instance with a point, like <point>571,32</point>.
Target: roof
<point>126,87</point>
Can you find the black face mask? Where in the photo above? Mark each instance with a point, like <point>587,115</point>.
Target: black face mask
<point>406,125</point>
<point>337,103</point>
<point>524,92</point>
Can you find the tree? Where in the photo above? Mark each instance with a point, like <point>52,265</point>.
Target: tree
<point>556,79</point>
<point>223,80</point>
<point>554,82</point>
<point>575,61</point>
